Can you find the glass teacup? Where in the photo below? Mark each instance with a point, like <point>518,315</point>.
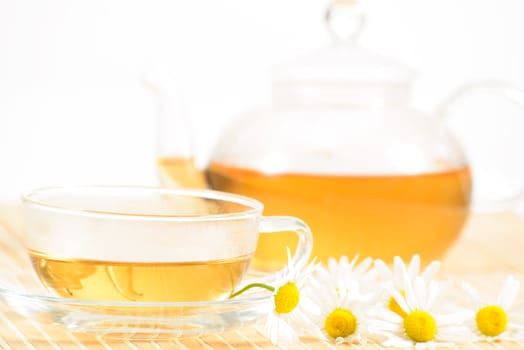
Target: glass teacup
<point>147,244</point>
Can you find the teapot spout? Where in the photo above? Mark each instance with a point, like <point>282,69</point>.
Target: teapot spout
<point>175,157</point>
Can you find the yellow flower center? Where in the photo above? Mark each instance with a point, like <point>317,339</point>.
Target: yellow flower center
<point>491,320</point>
<point>340,323</point>
<point>395,307</point>
<point>420,326</point>
<point>287,298</point>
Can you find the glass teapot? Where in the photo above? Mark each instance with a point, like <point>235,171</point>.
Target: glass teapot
<point>341,148</point>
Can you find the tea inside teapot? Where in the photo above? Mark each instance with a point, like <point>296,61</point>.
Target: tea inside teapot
<point>379,216</point>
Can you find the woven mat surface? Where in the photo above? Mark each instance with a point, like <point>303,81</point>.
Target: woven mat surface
<point>491,247</point>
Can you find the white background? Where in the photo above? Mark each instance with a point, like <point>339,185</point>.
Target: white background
<point>73,111</point>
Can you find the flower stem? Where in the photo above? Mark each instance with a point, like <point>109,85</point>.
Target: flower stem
<point>252,285</point>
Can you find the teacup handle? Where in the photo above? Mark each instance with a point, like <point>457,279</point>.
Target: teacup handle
<point>500,88</point>
<point>275,224</point>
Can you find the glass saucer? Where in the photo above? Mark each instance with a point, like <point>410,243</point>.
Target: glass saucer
<point>23,293</point>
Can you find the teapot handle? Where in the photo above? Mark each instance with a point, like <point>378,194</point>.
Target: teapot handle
<point>495,87</point>
<point>502,88</point>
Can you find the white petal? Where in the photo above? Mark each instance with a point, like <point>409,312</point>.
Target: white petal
<point>472,293</point>
<point>286,335</point>
<point>420,293</point>
<point>411,298</point>
<point>400,273</point>
<point>430,271</point>
<point>363,266</point>
<point>391,316</point>
<point>298,319</point>
<point>271,328</point>
<point>434,345</point>
<point>432,295</point>
<point>397,342</point>
<point>353,262</point>
<point>423,346</point>
<point>311,307</point>
<point>290,267</point>
<point>279,332</point>
<point>332,264</point>
<point>383,270</point>
<point>508,293</point>
<point>414,266</point>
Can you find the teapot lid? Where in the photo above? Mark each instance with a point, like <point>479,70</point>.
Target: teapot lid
<point>345,61</point>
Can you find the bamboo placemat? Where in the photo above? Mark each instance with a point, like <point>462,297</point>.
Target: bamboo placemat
<point>491,247</point>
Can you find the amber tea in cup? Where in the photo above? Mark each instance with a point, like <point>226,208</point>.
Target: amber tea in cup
<point>146,244</point>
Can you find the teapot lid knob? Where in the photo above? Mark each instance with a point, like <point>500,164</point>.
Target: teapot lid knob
<point>344,20</point>
<point>345,62</point>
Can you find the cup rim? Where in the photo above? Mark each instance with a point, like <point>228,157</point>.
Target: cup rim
<point>254,206</point>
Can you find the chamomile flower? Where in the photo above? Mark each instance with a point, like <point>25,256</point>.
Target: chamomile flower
<point>290,305</point>
<point>402,274</point>
<point>341,314</point>
<point>498,319</point>
<point>420,326</point>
